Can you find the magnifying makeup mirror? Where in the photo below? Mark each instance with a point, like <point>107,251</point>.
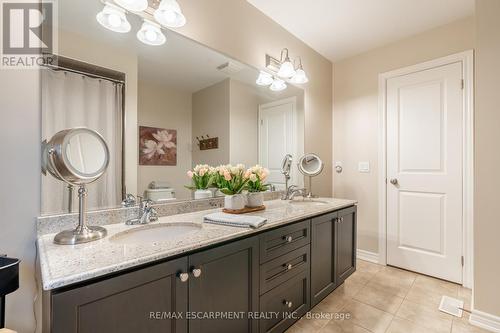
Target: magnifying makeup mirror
<point>77,156</point>
<point>310,165</point>
<point>286,165</point>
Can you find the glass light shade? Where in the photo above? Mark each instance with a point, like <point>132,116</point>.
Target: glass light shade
<point>150,33</point>
<point>278,85</point>
<point>113,18</point>
<point>264,79</point>
<point>286,69</point>
<point>299,77</point>
<point>169,14</point>
<point>133,5</point>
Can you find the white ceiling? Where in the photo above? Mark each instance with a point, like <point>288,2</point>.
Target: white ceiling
<point>341,28</point>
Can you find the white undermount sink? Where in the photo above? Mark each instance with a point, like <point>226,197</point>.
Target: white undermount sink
<point>308,202</point>
<point>155,233</point>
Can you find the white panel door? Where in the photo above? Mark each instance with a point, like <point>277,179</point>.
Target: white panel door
<point>276,138</point>
<point>424,171</point>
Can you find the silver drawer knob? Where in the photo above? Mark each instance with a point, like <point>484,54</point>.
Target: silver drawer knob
<point>289,266</point>
<point>196,272</point>
<point>289,239</point>
<point>394,181</point>
<point>183,277</point>
<point>288,304</point>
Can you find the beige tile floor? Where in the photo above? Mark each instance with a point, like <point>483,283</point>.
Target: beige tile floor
<point>383,299</point>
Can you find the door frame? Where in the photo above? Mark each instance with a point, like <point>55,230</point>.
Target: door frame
<point>467,60</point>
<point>295,177</point>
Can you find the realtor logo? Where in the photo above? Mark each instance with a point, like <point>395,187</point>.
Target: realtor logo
<point>27,33</point>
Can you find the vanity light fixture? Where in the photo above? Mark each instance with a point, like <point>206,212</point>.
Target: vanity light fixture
<point>264,79</point>
<point>169,14</point>
<point>278,85</point>
<point>133,5</point>
<point>286,69</point>
<point>300,76</point>
<point>113,18</point>
<point>151,34</point>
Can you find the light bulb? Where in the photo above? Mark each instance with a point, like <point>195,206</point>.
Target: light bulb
<point>300,77</point>
<point>264,79</point>
<point>169,14</point>
<point>286,69</point>
<point>278,85</point>
<point>113,18</point>
<point>133,5</point>
<point>150,33</point>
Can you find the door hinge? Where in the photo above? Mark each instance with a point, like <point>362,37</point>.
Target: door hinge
<point>463,84</point>
<point>463,260</point>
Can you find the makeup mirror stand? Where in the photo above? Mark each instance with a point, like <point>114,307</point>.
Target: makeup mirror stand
<point>82,233</point>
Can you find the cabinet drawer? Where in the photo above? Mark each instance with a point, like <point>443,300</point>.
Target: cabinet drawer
<point>287,302</point>
<point>283,240</point>
<point>279,270</point>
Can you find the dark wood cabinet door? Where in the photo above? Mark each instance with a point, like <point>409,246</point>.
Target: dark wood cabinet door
<point>323,258</point>
<point>346,243</point>
<point>143,301</point>
<point>227,285</point>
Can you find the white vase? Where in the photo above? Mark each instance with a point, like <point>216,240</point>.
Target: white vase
<point>234,202</point>
<point>255,199</point>
<point>203,194</point>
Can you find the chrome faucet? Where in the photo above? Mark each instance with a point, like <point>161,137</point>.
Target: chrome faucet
<point>292,191</point>
<point>147,213</point>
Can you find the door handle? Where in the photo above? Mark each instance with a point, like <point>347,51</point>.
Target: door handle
<point>394,181</point>
<point>183,277</point>
<point>196,272</point>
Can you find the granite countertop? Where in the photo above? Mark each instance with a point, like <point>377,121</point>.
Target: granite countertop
<point>63,265</point>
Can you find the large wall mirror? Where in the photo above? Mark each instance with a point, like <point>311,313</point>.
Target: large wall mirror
<point>152,105</point>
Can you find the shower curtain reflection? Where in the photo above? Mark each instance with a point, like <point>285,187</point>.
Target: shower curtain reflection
<point>76,100</point>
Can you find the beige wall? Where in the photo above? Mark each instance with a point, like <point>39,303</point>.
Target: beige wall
<point>487,158</point>
<point>236,28</point>
<point>356,113</point>
<point>166,107</point>
<point>211,117</point>
<point>78,47</point>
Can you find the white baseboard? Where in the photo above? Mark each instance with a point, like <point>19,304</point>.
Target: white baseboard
<point>485,320</point>
<point>367,256</point>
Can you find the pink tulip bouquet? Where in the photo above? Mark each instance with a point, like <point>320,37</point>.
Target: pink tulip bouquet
<point>202,176</point>
<point>256,176</point>
<point>230,180</point>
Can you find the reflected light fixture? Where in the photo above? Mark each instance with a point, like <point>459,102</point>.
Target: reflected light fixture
<point>264,79</point>
<point>133,5</point>
<point>169,14</point>
<point>286,69</point>
<point>278,85</point>
<point>113,18</point>
<point>150,33</point>
<point>300,76</point>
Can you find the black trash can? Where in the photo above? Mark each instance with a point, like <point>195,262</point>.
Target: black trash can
<point>9,282</point>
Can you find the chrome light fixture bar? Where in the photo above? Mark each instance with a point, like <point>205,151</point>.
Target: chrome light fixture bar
<point>281,71</point>
<point>168,14</point>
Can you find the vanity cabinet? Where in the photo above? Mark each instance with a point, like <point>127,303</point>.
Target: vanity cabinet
<point>262,283</point>
<point>134,302</point>
<point>225,280</point>
<point>333,251</point>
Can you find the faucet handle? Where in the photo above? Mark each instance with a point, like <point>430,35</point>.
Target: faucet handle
<point>129,200</point>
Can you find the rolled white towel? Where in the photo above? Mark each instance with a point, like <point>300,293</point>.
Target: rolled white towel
<point>242,221</point>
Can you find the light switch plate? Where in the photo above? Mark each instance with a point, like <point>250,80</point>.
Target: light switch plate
<point>364,166</point>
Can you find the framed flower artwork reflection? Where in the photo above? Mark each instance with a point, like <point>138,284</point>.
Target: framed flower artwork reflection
<point>157,146</point>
